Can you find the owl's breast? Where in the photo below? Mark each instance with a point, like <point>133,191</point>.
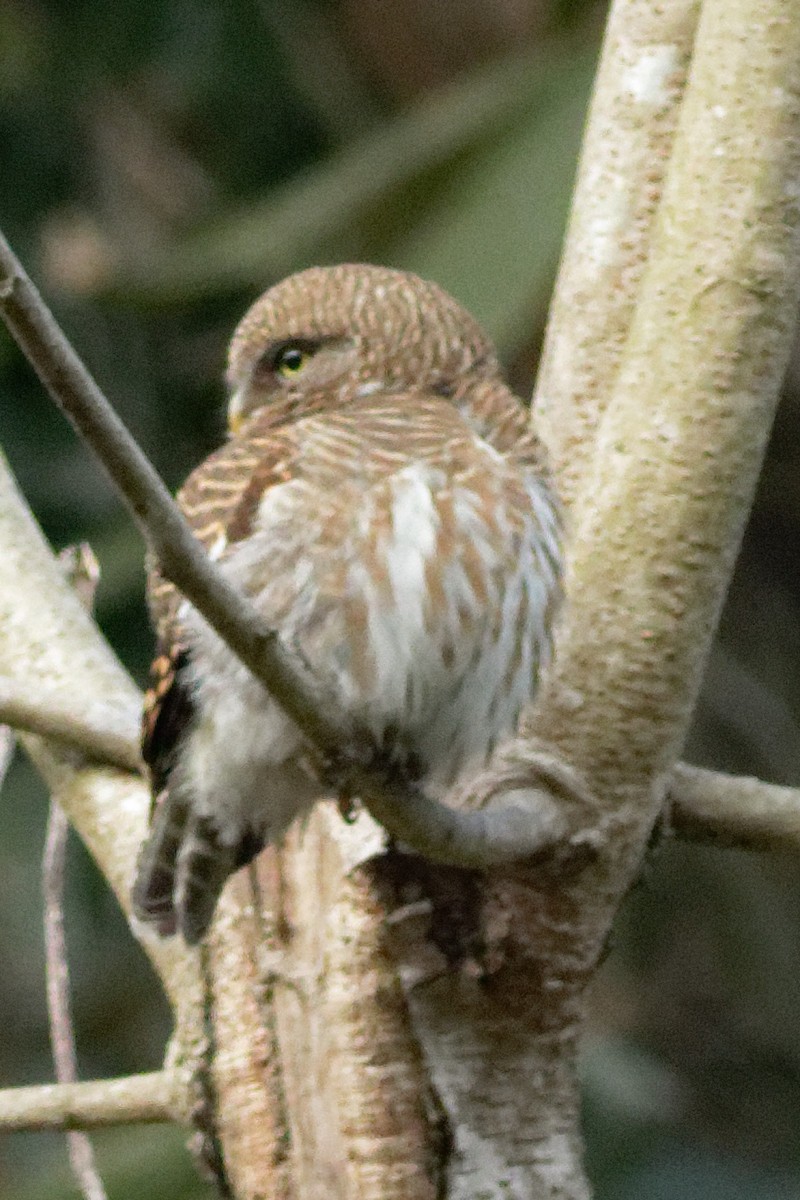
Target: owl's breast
<point>425,598</point>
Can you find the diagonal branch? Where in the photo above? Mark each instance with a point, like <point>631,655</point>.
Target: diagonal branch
<point>527,822</point>
<point>516,831</point>
<point>179,555</point>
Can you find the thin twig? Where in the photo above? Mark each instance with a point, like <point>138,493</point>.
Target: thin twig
<point>82,569</point>
<point>50,717</point>
<point>136,1099</point>
<point>81,1154</point>
<point>428,826</point>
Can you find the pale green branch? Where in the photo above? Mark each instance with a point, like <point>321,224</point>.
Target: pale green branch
<point>659,514</point>
<point>629,135</point>
<point>49,639</point>
<point>136,1099</point>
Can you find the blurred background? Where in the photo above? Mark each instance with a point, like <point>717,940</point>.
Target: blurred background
<point>162,162</point>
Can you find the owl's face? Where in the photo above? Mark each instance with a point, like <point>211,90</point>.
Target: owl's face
<point>349,331</point>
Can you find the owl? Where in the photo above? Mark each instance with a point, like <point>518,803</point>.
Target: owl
<point>384,504</point>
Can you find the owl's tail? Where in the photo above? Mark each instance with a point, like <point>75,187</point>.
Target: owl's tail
<point>182,869</point>
<point>154,885</point>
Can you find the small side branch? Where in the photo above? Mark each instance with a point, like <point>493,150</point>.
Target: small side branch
<point>137,1099</point>
<point>733,810</point>
<point>50,717</point>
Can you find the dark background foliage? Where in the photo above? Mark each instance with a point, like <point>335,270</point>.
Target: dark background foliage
<point>162,162</point>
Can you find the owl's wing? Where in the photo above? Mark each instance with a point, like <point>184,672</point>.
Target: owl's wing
<point>217,500</point>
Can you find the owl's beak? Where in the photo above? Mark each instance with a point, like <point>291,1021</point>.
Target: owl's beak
<point>236,411</point>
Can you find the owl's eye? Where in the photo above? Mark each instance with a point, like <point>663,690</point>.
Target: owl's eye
<point>290,361</point>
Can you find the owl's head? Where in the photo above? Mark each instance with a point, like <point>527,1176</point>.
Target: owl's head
<point>352,330</point>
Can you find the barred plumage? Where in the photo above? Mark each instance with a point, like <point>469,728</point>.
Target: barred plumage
<point>385,506</point>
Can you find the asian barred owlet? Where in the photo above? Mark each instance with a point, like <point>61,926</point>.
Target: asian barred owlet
<point>384,504</point>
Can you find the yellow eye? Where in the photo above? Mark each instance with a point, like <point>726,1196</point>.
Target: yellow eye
<point>290,361</point>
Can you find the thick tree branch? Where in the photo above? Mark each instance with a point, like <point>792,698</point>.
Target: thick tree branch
<point>432,828</point>
<point>137,1099</point>
<point>655,533</point>
<point>92,734</point>
<point>629,135</point>
<point>657,525</point>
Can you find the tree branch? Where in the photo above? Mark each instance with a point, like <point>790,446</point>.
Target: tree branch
<point>629,135</point>
<point>136,1099</point>
<point>179,554</point>
<point>62,1039</point>
<point>432,828</point>
<point>91,735</point>
<point>679,447</point>
<point>732,810</point>
<point>83,572</point>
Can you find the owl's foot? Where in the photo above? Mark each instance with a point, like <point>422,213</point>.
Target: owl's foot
<point>182,868</point>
